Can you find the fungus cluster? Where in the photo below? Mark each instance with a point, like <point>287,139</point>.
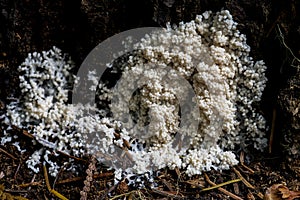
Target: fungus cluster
<point>208,53</point>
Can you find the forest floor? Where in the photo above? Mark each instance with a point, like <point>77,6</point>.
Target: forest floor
<point>273,32</point>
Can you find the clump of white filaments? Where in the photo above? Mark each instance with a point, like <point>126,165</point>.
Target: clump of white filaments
<point>43,109</point>
<point>209,53</point>
<point>212,55</point>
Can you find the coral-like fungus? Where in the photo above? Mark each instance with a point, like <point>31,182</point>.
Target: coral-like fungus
<point>209,53</point>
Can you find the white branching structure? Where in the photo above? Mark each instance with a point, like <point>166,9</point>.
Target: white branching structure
<point>209,53</point>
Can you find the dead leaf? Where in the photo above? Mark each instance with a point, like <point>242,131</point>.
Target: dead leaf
<point>280,192</point>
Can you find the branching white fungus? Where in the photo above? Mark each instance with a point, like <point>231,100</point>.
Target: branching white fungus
<point>214,57</point>
<point>209,52</point>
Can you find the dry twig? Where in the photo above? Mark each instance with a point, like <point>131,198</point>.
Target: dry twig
<point>243,164</point>
<point>10,155</point>
<point>168,194</point>
<point>222,189</point>
<point>220,185</point>
<point>243,179</point>
<point>95,176</point>
<point>5,195</point>
<point>57,194</point>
